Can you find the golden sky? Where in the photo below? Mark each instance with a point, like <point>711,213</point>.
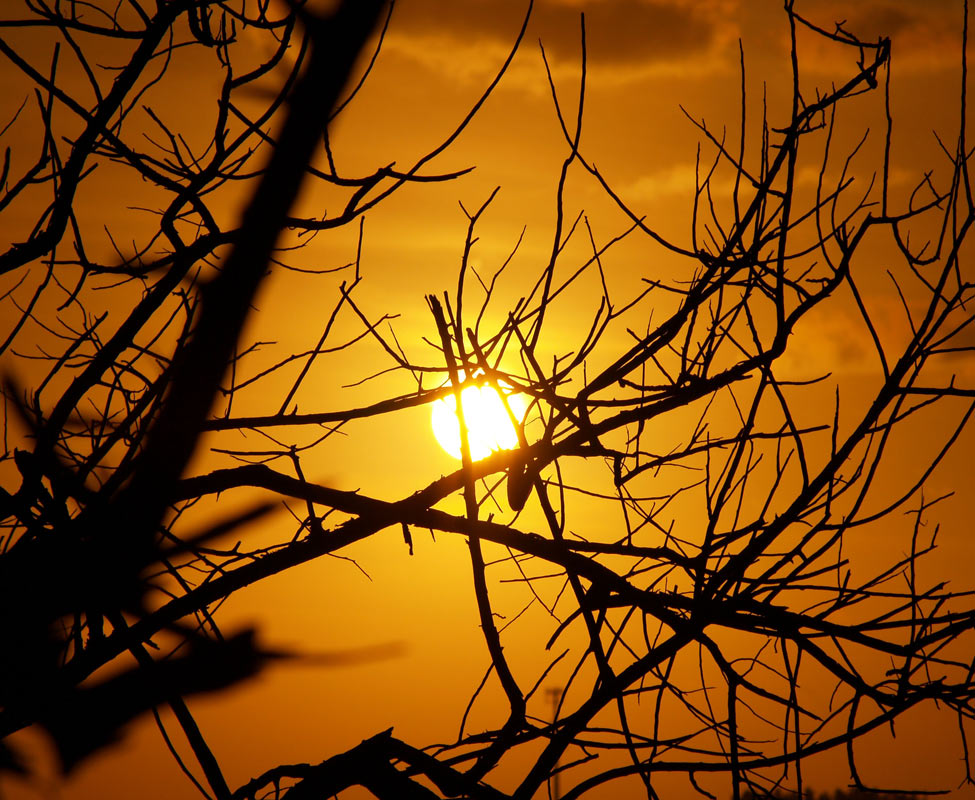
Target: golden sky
<point>653,67</point>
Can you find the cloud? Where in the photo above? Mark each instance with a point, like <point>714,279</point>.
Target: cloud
<point>675,180</point>
<point>925,36</point>
<point>626,39</point>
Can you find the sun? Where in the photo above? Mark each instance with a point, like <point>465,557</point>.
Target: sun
<point>489,426</point>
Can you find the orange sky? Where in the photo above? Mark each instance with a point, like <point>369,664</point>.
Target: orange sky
<point>646,60</point>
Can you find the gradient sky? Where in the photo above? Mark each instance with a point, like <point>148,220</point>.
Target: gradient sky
<point>646,60</point>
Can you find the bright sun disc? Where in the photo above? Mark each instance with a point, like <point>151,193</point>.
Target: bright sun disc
<point>489,427</point>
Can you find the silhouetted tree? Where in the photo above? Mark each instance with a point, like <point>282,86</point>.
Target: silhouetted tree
<point>685,633</point>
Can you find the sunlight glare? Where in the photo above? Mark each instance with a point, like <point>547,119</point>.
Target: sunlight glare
<point>489,427</point>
